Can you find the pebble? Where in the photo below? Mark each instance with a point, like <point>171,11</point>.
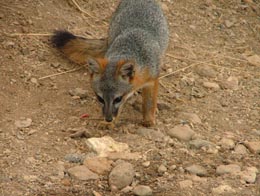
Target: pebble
<point>186,184</point>
<point>151,134</point>
<point>191,117</point>
<point>181,132</point>
<point>121,176</point>
<point>254,60</point>
<point>227,143</point>
<point>23,123</point>
<point>206,71</point>
<point>74,158</point>
<point>98,165</point>
<point>199,143</point>
<point>142,190</point>
<point>105,145</point>
<point>229,23</point>
<point>228,169</point>
<point>240,149</point>
<point>82,173</point>
<point>78,92</point>
<point>197,169</point>
<point>124,155</point>
<point>254,147</point>
<point>34,81</point>
<point>55,65</point>
<point>163,106</point>
<point>96,193</point>
<point>231,83</point>
<point>223,189</point>
<point>249,175</point>
<point>162,169</point>
<point>211,85</point>
<point>146,164</point>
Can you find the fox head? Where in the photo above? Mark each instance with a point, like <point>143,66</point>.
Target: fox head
<point>112,84</point>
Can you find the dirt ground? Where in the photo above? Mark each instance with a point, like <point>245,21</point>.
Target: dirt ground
<point>213,80</point>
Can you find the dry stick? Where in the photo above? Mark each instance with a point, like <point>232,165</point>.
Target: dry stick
<point>57,74</point>
<point>80,9</point>
<point>31,34</point>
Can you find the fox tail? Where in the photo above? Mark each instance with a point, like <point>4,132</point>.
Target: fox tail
<point>79,49</point>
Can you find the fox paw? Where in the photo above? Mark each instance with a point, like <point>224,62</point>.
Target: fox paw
<point>106,125</point>
<point>148,123</point>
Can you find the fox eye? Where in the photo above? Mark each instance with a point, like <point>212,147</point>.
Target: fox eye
<point>118,99</point>
<point>100,99</point>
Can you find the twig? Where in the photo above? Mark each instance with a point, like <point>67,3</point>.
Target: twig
<point>233,58</point>
<point>57,74</point>
<point>182,69</point>
<point>31,34</point>
<point>80,9</point>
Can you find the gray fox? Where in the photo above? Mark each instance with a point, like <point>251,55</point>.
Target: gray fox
<point>127,61</point>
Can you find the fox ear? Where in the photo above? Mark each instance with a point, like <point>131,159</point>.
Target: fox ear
<point>127,70</point>
<point>96,66</point>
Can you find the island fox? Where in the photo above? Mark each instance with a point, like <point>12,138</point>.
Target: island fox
<point>128,60</point>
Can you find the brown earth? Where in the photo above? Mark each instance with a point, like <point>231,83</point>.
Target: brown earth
<point>214,38</point>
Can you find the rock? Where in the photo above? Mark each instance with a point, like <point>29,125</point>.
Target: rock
<point>229,23</point>
<point>211,85</point>
<point>228,169</point>
<point>95,193</point>
<point>254,147</point>
<point>227,143</point>
<point>82,173</point>
<point>74,158</point>
<point>206,71</point>
<point>79,92</point>
<point>222,189</point>
<point>254,60</point>
<point>164,6</point>
<point>181,132</point>
<point>23,123</point>
<point>249,175</point>
<point>240,149</point>
<point>98,165</point>
<point>103,146</point>
<point>121,176</point>
<point>151,134</point>
<point>197,170</point>
<point>231,83</point>
<point>186,184</point>
<point>34,81</point>
<point>191,117</point>
<point>55,65</point>
<point>127,189</point>
<point>30,178</point>
<point>199,143</point>
<point>142,190</point>
<point>124,155</point>
<point>60,169</point>
<point>146,164</point>
<point>162,169</point>
<point>163,106</point>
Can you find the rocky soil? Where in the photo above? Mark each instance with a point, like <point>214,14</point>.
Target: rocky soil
<point>207,137</point>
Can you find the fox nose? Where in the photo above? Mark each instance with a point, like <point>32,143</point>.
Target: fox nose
<point>109,118</point>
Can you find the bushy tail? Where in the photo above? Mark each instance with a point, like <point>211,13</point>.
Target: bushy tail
<point>79,49</point>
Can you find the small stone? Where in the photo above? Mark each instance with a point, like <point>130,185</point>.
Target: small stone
<point>124,155</point>
<point>191,117</point>
<point>121,176</point>
<point>165,8</point>
<point>151,134</point>
<point>186,184</point>
<point>30,178</point>
<point>96,193</point>
<point>254,147</point>
<point>173,167</point>
<point>55,65</point>
<point>231,83</point>
<point>146,164</point>
<point>66,182</point>
<point>9,44</point>
<point>222,189</point>
<point>163,106</point>
<point>162,169</point>
<point>197,170</point>
<point>34,81</point>
<point>249,175</point>
<point>142,190</point>
<point>74,158</point>
<point>182,132</point>
<point>98,165</point>
<point>199,143</point>
<point>254,60</point>
<point>229,23</point>
<point>127,189</point>
<point>206,71</point>
<point>227,143</point>
<point>23,123</point>
<point>240,149</point>
<point>32,131</point>
<point>228,169</point>
<point>82,173</point>
<point>211,85</point>
<point>79,92</point>
<point>105,145</point>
